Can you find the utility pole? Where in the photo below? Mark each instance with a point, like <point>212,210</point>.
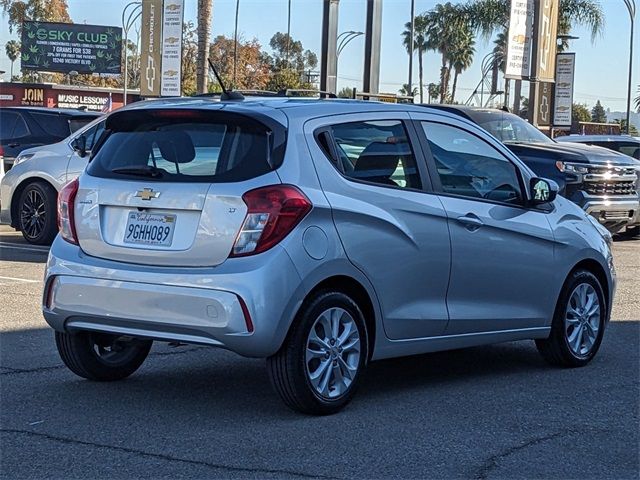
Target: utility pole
<point>534,83</point>
<point>329,53</point>
<point>372,44</point>
<point>411,46</point>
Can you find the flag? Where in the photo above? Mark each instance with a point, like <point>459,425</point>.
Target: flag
<point>108,105</point>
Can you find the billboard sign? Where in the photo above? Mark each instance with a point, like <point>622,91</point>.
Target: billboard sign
<point>547,31</point>
<point>172,48</point>
<point>151,57</point>
<point>67,47</point>
<point>161,58</point>
<point>563,101</point>
<point>518,64</point>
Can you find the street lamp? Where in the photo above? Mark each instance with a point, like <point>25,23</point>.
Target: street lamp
<point>631,7</point>
<point>344,38</point>
<point>127,23</point>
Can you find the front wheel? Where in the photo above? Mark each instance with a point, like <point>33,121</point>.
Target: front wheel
<point>101,356</point>
<point>323,359</point>
<point>578,323</point>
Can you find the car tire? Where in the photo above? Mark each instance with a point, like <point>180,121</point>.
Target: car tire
<point>323,359</point>
<point>100,356</point>
<point>37,213</point>
<point>578,322</point>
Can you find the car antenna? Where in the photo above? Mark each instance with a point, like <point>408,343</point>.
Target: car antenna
<point>226,94</point>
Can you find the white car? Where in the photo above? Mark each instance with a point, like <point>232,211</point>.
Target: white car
<point>28,192</point>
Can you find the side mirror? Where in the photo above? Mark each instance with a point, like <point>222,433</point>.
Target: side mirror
<point>79,145</point>
<point>542,191</point>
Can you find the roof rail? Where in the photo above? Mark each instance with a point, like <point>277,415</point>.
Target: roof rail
<point>290,92</point>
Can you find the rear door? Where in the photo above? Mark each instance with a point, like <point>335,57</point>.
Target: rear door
<point>166,186</point>
<point>502,252</point>
<point>391,227</point>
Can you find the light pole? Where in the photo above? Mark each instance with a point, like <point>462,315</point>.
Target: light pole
<point>235,44</point>
<point>411,46</point>
<point>631,7</point>
<point>343,40</point>
<point>127,23</point>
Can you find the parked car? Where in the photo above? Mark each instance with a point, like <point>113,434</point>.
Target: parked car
<point>623,144</point>
<point>602,182</point>
<point>620,143</point>
<point>28,192</point>
<point>320,235</point>
<point>26,127</point>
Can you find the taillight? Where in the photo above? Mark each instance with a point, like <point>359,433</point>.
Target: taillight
<point>272,214</point>
<point>66,220</point>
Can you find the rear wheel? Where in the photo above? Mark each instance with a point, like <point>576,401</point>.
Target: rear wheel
<point>578,323</point>
<point>37,213</point>
<point>324,356</point>
<point>101,356</point>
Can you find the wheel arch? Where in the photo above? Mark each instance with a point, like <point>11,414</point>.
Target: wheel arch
<point>15,197</point>
<point>357,291</point>
<point>595,267</point>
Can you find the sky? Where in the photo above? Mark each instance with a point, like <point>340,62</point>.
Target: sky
<point>601,64</point>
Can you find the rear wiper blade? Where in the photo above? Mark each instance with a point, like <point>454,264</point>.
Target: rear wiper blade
<point>147,171</point>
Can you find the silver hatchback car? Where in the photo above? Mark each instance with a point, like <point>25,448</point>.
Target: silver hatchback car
<point>320,235</point>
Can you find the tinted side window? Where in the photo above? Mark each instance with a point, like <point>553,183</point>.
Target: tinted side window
<point>7,124</point>
<point>377,152</point>
<point>92,135</point>
<point>55,125</point>
<point>21,129</point>
<point>470,167</point>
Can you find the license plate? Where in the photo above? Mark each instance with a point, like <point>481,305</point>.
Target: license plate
<point>149,229</point>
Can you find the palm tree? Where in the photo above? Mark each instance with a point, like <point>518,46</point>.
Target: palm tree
<point>445,23</point>
<point>488,16</point>
<point>405,90</point>
<point>434,91</point>
<point>419,44</point>
<point>500,50</point>
<point>12,48</point>
<point>205,10</point>
<point>461,57</point>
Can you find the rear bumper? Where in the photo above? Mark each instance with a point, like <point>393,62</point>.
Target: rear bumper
<point>190,305</point>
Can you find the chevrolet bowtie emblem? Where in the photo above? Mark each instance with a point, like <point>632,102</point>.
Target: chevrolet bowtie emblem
<point>147,194</point>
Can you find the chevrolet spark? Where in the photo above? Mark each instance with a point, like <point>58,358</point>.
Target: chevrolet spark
<point>320,235</point>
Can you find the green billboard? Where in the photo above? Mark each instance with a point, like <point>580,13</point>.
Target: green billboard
<point>67,47</point>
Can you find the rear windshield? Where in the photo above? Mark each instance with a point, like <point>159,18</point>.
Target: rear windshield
<point>52,123</point>
<point>177,150</point>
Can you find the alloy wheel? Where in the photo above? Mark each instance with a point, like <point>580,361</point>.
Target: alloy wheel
<point>582,319</point>
<point>333,353</point>
<point>33,215</point>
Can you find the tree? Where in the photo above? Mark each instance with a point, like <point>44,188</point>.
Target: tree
<point>461,56</point>
<point>12,48</point>
<point>188,75</point>
<point>345,92</point>
<point>288,63</point>
<point>433,90</point>
<point>205,12</point>
<point>445,24</point>
<point>405,90</point>
<point>19,11</point>
<point>580,113</point>
<point>419,45</point>
<point>633,131</point>
<point>252,71</point>
<point>598,114</point>
<point>637,100</point>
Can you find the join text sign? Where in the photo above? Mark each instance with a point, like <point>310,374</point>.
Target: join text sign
<point>67,47</point>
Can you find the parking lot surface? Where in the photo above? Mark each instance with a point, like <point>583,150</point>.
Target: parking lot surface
<point>195,412</point>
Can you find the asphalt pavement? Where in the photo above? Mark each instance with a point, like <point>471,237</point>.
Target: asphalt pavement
<point>198,412</point>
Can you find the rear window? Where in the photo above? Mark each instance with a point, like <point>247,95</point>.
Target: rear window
<point>176,150</point>
<point>54,124</point>
<point>76,123</point>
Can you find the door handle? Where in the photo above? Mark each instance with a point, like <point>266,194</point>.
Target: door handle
<point>471,222</point>
<point>13,145</point>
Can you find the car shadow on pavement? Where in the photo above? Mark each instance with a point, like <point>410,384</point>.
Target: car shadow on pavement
<point>214,382</point>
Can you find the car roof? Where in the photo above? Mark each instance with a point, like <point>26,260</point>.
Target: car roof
<point>293,106</point>
<point>59,111</point>
<point>598,138</point>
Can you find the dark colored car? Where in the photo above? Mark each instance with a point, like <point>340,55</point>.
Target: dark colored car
<point>26,127</point>
<point>601,181</point>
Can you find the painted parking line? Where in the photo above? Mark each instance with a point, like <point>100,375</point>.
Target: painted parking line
<point>18,246</point>
<point>16,279</point>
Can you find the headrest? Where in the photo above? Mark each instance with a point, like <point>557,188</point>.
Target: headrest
<point>380,156</point>
<point>175,146</point>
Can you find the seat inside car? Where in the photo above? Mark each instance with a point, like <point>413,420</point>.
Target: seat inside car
<point>377,163</point>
